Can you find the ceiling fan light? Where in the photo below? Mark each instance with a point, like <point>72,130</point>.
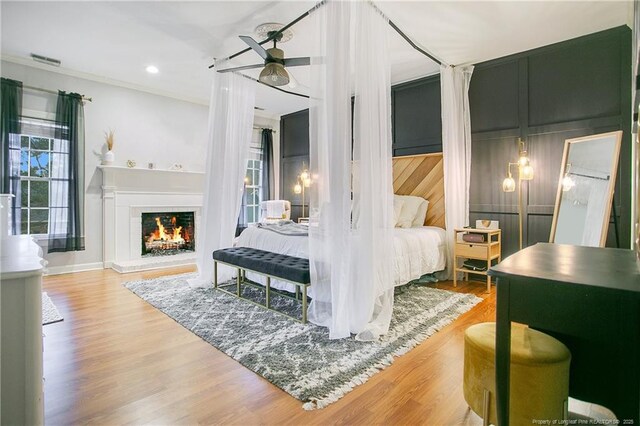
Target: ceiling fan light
<point>274,74</point>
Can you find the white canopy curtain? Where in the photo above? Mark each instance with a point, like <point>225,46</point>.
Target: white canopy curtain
<point>351,265</point>
<point>231,111</point>
<point>456,150</point>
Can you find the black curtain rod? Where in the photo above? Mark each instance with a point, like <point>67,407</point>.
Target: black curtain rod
<point>275,34</point>
<point>304,15</point>
<point>277,88</point>
<point>53,92</point>
<point>415,46</point>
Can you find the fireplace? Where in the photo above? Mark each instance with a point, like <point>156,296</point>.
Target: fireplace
<point>168,233</point>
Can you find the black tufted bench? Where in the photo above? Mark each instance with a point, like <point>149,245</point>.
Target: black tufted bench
<point>272,265</point>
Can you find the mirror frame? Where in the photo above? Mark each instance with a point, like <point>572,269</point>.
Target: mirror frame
<point>612,182</point>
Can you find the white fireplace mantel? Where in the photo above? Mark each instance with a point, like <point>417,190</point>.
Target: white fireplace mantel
<point>129,192</point>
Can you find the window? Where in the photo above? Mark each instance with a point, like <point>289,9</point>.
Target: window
<point>35,160</point>
<point>42,172</point>
<point>253,187</point>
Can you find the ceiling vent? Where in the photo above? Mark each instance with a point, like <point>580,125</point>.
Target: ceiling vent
<point>45,60</point>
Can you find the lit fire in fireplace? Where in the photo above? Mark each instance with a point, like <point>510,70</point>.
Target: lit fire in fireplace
<point>163,238</point>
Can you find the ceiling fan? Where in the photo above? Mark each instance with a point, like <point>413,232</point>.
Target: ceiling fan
<point>274,72</point>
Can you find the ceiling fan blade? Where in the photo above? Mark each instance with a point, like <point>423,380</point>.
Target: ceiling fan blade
<point>296,62</point>
<point>245,67</point>
<point>256,47</point>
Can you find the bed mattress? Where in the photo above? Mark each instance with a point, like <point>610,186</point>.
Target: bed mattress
<point>417,251</point>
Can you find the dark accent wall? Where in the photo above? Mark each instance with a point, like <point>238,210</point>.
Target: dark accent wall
<point>416,127</point>
<point>574,88</point>
<point>416,117</point>
<point>566,90</point>
<point>294,157</point>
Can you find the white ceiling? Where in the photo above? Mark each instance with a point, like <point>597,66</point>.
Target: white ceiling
<point>117,40</point>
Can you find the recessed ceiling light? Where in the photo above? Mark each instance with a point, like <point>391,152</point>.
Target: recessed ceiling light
<point>152,69</point>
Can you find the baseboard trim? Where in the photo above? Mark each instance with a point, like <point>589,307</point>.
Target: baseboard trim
<point>67,269</point>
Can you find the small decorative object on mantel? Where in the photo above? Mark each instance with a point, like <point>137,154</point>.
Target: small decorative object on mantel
<point>151,166</point>
<point>177,167</point>
<point>131,164</point>
<point>108,157</point>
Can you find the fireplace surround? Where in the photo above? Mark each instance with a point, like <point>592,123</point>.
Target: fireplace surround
<point>130,193</point>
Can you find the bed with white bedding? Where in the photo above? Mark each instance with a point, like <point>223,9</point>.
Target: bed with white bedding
<point>417,251</point>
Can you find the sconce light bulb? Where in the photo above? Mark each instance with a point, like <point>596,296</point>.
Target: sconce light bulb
<point>246,180</point>
<point>304,175</point>
<point>508,184</point>
<point>524,159</point>
<point>527,172</point>
<point>297,188</point>
<point>307,182</point>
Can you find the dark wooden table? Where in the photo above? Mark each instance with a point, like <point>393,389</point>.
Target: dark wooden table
<point>589,299</point>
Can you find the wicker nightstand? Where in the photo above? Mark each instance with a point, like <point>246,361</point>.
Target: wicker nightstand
<point>488,251</point>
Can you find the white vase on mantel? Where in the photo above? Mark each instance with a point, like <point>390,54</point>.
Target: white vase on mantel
<point>107,158</point>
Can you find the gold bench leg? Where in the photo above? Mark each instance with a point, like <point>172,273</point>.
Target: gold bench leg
<point>268,296</point>
<point>215,274</point>
<point>485,407</point>
<point>238,278</point>
<point>304,304</point>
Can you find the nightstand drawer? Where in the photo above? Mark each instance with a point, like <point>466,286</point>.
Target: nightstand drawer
<point>471,250</point>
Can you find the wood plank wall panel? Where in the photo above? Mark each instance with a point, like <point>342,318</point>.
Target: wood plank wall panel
<point>422,176</point>
<point>570,89</point>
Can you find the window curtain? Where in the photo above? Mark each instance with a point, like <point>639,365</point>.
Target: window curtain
<point>242,217</point>
<point>351,265</point>
<point>10,112</point>
<point>66,192</point>
<point>456,150</point>
<point>230,127</point>
<point>268,189</point>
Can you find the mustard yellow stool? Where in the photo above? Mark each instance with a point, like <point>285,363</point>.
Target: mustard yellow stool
<point>539,381</point>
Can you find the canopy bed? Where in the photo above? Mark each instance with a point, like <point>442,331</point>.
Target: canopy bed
<point>417,250</point>
<point>356,255</point>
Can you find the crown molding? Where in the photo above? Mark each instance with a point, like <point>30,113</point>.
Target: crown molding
<point>100,79</point>
<point>118,83</point>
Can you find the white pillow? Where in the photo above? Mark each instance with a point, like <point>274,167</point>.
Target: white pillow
<point>421,215</point>
<point>409,210</point>
<point>397,208</point>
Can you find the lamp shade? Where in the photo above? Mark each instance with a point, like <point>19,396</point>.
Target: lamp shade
<point>524,158</point>
<point>274,74</point>
<point>526,173</point>
<point>508,184</point>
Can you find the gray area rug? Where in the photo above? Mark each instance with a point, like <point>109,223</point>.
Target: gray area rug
<point>300,359</point>
<point>50,313</point>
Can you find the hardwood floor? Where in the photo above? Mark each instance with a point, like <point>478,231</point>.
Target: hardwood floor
<point>117,360</point>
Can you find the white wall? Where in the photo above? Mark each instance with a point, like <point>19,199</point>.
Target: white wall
<point>148,128</point>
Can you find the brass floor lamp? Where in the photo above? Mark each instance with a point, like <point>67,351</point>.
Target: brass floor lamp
<point>303,180</point>
<point>525,172</point>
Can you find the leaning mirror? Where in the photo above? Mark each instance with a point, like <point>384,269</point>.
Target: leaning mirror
<point>585,190</point>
